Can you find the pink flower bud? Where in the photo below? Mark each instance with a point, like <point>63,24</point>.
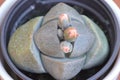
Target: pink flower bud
<point>66,47</point>
<point>63,17</point>
<point>63,21</point>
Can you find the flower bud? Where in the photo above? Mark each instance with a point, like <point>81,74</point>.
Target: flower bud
<point>66,47</point>
<point>70,34</point>
<point>60,34</point>
<point>63,21</point>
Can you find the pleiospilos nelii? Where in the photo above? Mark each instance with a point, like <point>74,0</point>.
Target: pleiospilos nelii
<point>22,49</point>
<point>61,43</point>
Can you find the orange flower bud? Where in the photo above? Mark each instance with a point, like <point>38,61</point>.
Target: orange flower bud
<point>70,34</point>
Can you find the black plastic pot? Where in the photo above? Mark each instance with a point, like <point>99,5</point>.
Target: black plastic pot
<point>97,10</point>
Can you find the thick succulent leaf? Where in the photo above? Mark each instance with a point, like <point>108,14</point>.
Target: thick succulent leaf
<point>63,69</point>
<point>47,40</point>
<point>22,49</point>
<point>59,9</point>
<point>84,41</point>
<point>98,53</point>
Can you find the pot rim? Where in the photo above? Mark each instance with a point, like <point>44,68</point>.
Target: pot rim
<point>114,72</point>
<point>117,43</point>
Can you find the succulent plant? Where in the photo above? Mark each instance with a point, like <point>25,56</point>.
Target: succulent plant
<point>22,49</point>
<point>63,31</point>
<point>100,47</point>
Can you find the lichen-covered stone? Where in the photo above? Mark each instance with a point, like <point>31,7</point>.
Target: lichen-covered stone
<point>22,49</point>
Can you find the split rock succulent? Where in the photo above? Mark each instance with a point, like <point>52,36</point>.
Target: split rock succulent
<point>22,49</point>
<point>63,31</point>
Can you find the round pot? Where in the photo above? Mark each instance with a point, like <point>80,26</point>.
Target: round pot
<point>114,73</point>
<point>99,11</point>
